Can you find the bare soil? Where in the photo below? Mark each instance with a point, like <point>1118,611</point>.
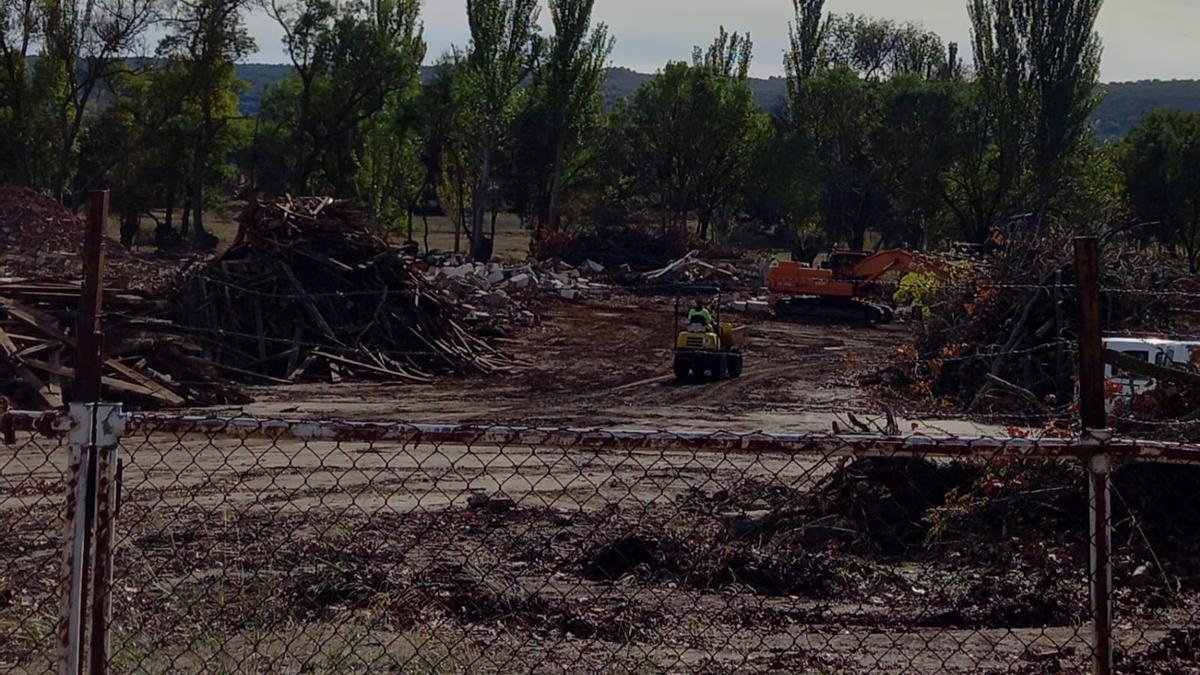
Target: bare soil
<point>606,363</point>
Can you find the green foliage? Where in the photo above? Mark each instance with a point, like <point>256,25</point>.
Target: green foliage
<point>1161,164</point>
<point>877,130</point>
<point>352,60</point>
<point>919,289</point>
<point>879,49</point>
<point>1037,64</point>
<point>564,112</point>
<point>697,132</point>
<point>504,48</point>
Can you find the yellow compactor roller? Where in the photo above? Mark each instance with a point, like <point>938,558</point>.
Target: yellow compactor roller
<point>709,352</point>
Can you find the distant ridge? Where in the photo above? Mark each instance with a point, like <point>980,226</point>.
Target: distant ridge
<point>1125,103</point>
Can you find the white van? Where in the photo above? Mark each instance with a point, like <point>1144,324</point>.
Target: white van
<point>1151,350</point>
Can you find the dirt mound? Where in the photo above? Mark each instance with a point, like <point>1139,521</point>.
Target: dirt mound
<point>33,222</point>
<point>1025,594</point>
<point>42,239</point>
<point>879,505</point>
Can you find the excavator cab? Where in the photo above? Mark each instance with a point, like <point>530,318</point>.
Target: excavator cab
<point>704,349</point>
<point>842,263</point>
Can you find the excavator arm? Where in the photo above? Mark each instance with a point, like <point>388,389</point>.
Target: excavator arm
<point>875,267</point>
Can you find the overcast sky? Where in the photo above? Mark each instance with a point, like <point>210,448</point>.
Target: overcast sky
<point>1143,39</point>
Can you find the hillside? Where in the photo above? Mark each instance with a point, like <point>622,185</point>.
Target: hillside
<point>1125,103</point>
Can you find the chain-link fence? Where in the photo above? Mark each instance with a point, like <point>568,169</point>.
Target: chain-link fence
<point>33,468</point>
<point>246,545</point>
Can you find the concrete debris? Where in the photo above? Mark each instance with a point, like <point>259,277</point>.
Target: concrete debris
<point>1143,576</point>
<point>758,307</point>
<point>494,298</point>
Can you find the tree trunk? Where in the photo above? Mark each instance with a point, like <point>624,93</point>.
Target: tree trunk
<point>185,221</point>
<point>169,216</point>
<point>555,184</point>
<point>198,211</point>
<point>129,226</point>
<point>479,205</point>
<point>425,219</point>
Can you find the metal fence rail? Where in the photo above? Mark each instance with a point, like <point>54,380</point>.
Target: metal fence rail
<point>263,545</point>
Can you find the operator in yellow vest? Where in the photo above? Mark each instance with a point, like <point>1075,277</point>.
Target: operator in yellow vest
<point>700,314</point>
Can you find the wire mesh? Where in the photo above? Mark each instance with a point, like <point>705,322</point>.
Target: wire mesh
<point>32,489</point>
<point>251,545</point>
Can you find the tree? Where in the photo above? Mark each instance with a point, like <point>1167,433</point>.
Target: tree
<point>1064,67</point>
<point>1160,160</point>
<point>566,102</point>
<point>502,54</point>
<point>807,40</point>
<point>205,38</point>
<point>84,43</point>
<point>696,131</point>
<point>879,49</point>
<point>44,102</point>
<point>913,148</point>
<point>1036,60</point>
<point>840,112</point>
<point>729,55</point>
<point>349,58</point>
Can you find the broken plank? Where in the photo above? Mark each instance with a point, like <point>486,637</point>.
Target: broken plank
<point>42,394</point>
<point>367,366</point>
<point>110,382</point>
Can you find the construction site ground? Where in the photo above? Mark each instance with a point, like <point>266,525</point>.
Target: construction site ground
<point>607,363</point>
<point>287,555</point>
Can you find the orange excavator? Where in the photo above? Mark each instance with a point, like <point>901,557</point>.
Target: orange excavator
<point>848,287</point>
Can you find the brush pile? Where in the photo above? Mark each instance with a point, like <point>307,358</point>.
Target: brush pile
<point>310,291</point>
<point>999,336</point>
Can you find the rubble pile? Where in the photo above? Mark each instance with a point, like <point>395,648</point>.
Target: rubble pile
<point>998,336</point>
<point>310,291</point>
<point>495,298</point>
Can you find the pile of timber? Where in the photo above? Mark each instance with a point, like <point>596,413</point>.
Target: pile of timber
<point>309,291</point>
<point>690,269</point>
<point>147,363</point>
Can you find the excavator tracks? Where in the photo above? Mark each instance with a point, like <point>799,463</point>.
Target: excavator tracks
<point>811,308</point>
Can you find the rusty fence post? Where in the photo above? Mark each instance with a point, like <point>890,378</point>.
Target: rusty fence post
<point>1095,434</point>
<point>93,470</point>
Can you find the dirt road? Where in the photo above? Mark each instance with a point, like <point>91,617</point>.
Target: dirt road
<point>607,364</point>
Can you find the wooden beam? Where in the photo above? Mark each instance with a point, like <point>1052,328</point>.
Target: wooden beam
<point>42,394</point>
<point>110,382</point>
<point>1146,369</point>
